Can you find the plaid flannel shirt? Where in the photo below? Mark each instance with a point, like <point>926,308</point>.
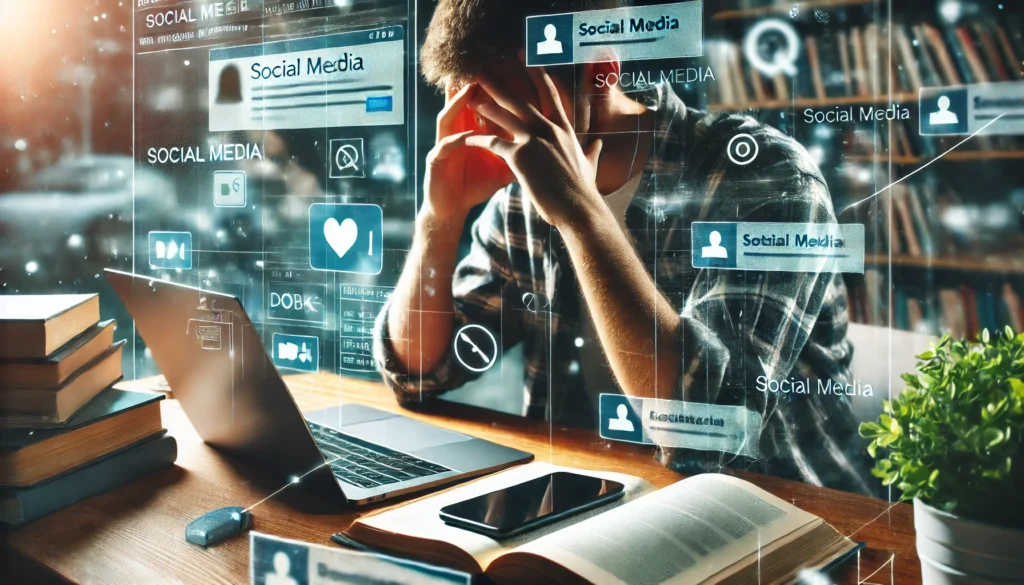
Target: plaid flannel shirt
<point>736,325</point>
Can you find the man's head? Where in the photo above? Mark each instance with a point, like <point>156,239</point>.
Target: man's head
<point>468,37</point>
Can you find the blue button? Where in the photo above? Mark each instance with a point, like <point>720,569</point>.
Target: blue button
<point>619,418</point>
<point>944,111</point>
<point>170,250</point>
<point>296,352</point>
<point>379,103</point>
<point>714,244</point>
<point>549,40</point>
<point>346,237</point>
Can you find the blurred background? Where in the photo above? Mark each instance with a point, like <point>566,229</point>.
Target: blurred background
<point>66,147</point>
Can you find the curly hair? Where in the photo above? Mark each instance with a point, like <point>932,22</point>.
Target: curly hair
<point>465,35</point>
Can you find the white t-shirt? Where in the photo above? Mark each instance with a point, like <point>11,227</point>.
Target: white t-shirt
<point>619,201</point>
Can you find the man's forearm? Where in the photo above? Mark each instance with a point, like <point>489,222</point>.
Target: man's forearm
<point>420,318</point>
<point>637,325</point>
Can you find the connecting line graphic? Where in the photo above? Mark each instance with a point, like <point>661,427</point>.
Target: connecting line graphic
<point>294,481</point>
<point>922,167</point>
<point>890,562</point>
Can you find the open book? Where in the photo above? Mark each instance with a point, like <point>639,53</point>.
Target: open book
<point>708,528</point>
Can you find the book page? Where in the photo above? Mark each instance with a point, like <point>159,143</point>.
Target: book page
<point>681,534</point>
<point>420,519</point>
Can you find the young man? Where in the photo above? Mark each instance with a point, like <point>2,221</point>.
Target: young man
<point>590,194</point>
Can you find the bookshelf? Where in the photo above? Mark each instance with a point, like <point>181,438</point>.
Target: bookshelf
<point>938,261</point>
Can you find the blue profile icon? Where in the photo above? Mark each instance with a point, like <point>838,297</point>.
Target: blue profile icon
<point>714,245</point>
<point>944,111</point>
<point>619,418</point>
<point>276,562</point>
<point>549,40</point>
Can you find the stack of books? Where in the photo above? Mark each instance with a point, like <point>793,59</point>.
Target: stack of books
<point>65,433</point>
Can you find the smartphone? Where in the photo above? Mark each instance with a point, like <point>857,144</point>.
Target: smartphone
<point>531,504</point>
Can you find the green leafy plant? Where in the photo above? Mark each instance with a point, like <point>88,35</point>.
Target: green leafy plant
<point>954,437</point>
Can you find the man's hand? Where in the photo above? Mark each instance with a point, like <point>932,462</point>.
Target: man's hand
<point>544,154</point>
<point>459,177</point>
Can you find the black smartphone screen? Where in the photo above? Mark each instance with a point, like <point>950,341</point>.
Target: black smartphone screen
<point>533,502</point>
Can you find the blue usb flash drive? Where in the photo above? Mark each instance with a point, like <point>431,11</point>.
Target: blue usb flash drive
<point>217,526</point>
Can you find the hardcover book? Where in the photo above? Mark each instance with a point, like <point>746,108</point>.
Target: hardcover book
<point>42,408</point>
<point>23,505</point>
<point>35,326</point>
<point>708,528</point>
<point>52,370</point>
<point>113,420</point>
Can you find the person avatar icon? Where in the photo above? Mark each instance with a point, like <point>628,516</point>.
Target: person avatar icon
<point>621,423</point>
<point>943,116</point>
<point>716,249</point>
<point>282,570</point>
<point>549,46</point>
<point>229,87</point>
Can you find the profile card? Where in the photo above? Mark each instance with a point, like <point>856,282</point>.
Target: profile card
<point>279,561</point>
<point>665,31</point>
<point>998,108</point>
<point>778,247</point>
<point>347,79</point>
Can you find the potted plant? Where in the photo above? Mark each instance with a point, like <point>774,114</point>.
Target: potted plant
<point>953,441</point>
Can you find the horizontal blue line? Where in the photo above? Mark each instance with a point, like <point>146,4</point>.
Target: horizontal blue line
<point>624,42</point>
<point>321,92</point>
<point>779,255</point>
<point>695,432</point>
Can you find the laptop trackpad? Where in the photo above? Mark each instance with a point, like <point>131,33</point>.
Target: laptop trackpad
<point>404,434</point>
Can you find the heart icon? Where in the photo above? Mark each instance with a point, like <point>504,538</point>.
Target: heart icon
<point>341,237</point>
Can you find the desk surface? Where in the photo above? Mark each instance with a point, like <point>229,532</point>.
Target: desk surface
<point>135,534</point>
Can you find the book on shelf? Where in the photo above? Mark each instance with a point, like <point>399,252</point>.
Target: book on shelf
<point>815,68</point>
<point>708,528</point>
<point>924,57</point>
<point>54,369</point>
<point>115,419</point>
<point>1014,311</point>
<point>19,506</point>
<point>962,310</point>
<point>842,39</point>
<point>35,326</point>
<point>49,407</point>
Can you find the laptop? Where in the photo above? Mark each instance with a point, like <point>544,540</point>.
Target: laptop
<point>214,360</point>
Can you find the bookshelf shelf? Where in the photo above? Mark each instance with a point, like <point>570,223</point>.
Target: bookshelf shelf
<point>966,156</point>
<point>882,159</point>
<point>853,100</point>
<point>777,8</point>
<point>973,155</point>
<point>994,263</point>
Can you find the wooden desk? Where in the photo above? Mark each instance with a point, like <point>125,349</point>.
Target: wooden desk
<point>135,534</point>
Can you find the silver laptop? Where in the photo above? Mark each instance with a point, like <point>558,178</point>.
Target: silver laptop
<point>215,362</point>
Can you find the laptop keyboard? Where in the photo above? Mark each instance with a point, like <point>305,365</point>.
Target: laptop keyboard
<point>368,465</point>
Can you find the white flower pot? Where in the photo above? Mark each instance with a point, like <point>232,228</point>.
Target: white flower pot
<point>957,551</point>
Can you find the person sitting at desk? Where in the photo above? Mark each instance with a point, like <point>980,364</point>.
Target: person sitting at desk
<point>590,193</point>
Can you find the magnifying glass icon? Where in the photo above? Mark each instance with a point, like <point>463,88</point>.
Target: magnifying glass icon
<point>346,158</point>
<point>783,59</point>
